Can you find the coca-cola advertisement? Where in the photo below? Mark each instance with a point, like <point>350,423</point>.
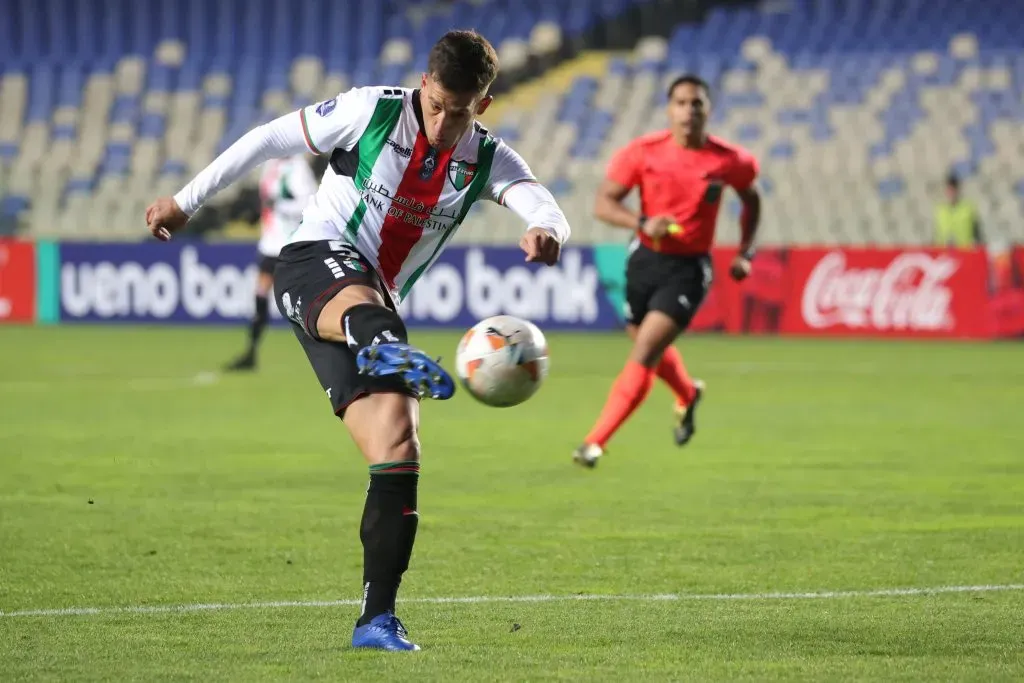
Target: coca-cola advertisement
<point>883,292</point>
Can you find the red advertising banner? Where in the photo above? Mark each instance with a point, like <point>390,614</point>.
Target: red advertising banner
<point>883,292</point>
<point>1007,300</point>
<point>17,281</point>
<point>869,292</point>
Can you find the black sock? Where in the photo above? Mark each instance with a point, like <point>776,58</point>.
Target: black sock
<point>259,321</point>
<point>369,324</point>
<point>388,531</point>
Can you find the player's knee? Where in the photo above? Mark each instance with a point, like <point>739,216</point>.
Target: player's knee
<point>399,443</point>
<point>645,355</point>
<point>330,316</point>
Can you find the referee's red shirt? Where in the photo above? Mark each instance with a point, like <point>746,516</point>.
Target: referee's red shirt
<point>681,182</point>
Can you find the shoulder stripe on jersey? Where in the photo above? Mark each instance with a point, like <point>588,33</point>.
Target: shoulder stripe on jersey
<point>305,133</point>
<point>504,190</point>
<point>391,92</point>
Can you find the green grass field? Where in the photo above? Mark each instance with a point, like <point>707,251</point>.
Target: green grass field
<point>129,478</point>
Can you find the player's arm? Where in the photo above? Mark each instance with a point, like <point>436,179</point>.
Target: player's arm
<point>609,206</point>
<point>315,128</point>
<point>622,175</point>
<point>511,184</point>
<point>750,219</point>
<point>741,178</point>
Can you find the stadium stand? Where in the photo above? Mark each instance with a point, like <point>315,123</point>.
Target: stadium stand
<point>857,109</point>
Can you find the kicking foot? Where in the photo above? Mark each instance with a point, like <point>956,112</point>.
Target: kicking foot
<point>686,428</point>
<point>587,455</point>
<point>246,361</point>
<point>421,373</point>
<point>384,632</point>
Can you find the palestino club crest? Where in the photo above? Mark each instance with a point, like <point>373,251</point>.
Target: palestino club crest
<point>461,174</point>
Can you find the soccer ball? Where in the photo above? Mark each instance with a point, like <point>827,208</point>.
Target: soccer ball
<point>502,360</point>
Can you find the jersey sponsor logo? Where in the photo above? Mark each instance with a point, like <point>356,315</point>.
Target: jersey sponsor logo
<point>399,149</point>
<point>326,107</point>
<point>461,174</point>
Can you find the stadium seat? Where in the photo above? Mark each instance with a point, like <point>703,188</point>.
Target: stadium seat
<point>857,110</point>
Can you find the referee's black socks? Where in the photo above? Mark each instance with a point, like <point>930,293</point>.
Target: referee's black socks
<point>388,531</point>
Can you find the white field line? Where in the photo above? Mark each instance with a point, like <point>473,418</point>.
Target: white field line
<point>200,379</point>
<point>483,599</point>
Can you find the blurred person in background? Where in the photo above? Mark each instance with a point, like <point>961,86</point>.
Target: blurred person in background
<point>956,220</point>
<point>285,188</point>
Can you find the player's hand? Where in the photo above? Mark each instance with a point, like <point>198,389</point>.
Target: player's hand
<point>740,268</point>
<point>540,245</point>
<point>165,217</point>
<point>657,227</point>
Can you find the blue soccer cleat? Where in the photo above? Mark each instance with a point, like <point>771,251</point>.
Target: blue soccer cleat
<point>384,632</point>
<point>421,373</point>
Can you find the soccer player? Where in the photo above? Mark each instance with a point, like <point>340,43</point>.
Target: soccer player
<point>406,165</point>
<point>681,172</point>
<point>285,187</point>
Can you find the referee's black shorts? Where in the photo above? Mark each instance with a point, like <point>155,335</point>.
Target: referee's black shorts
<point>673,284</point>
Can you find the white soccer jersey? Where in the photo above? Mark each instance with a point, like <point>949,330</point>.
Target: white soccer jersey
<point>285,188</point>
<point>386,191</point>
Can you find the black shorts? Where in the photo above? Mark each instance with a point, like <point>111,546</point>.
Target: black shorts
<point>308,275</point>
<point>267,264</point>
<point>673,284</point>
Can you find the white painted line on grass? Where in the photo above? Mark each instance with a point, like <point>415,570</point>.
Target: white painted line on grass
<point>93,382</point>
<point>481,599</point>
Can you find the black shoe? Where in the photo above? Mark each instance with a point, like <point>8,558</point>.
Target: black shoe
<point>686,428</point>
<point>587,455</point>
<point>245,362</point>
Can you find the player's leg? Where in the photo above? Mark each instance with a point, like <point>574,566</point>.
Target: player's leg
<point>261,315</point>
<point>384,427</point>
<point>680,300</point>
<point>381,414</point>
<point>662,294</point>
<point>382,417</point>
<point>634,382</point>
<point>672,371</point>
<point>352,309</point>
<point>359,317</point>
<point>653,335</point>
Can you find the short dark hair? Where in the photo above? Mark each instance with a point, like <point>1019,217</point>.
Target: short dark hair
<point>689,79</point>
<point>463,62</point>
<point>953,180</point>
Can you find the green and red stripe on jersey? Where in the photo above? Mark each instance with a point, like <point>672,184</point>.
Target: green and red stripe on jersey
<point>504,190</point>
<point>399,234</point>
